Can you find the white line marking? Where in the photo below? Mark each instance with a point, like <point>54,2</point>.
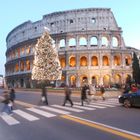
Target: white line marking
<point>41,112</point>
<point>84,107</point>
<point>9,120</point>
<point>55,110</point>
<point>26,115</point>
<point>102,104</point>
<point>68,108</point>
<point>94,106</point>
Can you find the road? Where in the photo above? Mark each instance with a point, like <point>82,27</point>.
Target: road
<point>99,120</point>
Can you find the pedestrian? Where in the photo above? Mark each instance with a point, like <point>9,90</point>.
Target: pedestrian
<point>102,91</point>
<point>6,101</point>
<point>92,92</point>
<point>84,90</point>
<point>67,92</point>
<point>44,95</point>
<point>12,97</point>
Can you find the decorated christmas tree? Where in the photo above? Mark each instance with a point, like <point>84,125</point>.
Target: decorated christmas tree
<point>46,65</point>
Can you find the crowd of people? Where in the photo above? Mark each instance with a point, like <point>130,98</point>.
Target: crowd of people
<point>87,95</point>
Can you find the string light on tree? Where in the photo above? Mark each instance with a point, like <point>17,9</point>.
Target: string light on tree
<point>46,65</point>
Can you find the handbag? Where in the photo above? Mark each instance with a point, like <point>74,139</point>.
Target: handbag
<point>43,98</point>
<point>10,104</point>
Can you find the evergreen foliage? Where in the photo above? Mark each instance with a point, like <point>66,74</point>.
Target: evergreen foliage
<point>136,69</point>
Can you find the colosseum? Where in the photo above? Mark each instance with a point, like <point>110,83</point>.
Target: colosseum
<point>89,43</point>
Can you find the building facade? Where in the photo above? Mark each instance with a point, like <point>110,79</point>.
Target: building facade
<point>89,42</point>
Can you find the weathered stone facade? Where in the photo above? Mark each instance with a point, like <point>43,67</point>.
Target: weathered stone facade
<point>90,45</point>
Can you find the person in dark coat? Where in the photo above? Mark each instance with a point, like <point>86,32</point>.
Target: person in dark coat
<point>12,97</point>
<point>67,95</point>
<point>84,94</point>
<point>44,98</point>
<point>102,90</point>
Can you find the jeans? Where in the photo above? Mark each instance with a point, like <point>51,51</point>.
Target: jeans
<point>7,109</point>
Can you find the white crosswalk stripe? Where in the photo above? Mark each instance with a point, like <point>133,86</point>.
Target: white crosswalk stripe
<point>41,112</point>
<point>29,114</point>
<point>9,119</point>
<point>68,108</point>
<point>25,115</point>
<point>88,105</point>
<point>102,104</point>
<point>84,107</point>
<point>55,110</point>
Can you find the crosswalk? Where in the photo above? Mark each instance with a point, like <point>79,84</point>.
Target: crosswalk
<point>33,113</point>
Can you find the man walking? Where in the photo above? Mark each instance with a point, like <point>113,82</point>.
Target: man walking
<point>67,96</point>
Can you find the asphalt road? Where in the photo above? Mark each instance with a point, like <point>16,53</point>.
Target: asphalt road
<point>101,120</point>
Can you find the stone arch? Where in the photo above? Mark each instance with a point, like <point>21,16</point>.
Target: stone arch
<point>63,62</point>
<point>106,80</point>
<point>104,41</point>
<point>83,79</point>
<point>93,41</point>
<point>105,61</point>
<point>82,41</point>
<point>117,79</point>
<point>72,61</point>
<point>115,42</point>
<point>21,65</point>
<point>62,43</point>
<point>128,60</point>
<point>94,61</point>
<point>95,80</point>
<point>16,67</point>
<point>117,60</point>
<point>72,42</point>
<point>72,80</point>
<point>28,66</point>
<point>83,61</point>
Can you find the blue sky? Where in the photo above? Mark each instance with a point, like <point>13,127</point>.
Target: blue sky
<point>15,12</point>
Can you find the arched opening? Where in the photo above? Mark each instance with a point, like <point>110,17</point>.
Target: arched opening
<point>128,60</point>
<point>83,61</point>
<point>62,62</point>
<point>106,80</point>
<point>94,80</point>
<point>62,43</point>
<point>105,61</point>
<point>83,41</point>
<point>93,41</point>
<point>21,65</point>
<point>104,42</point>
<point>17,67</point>
<point>117,60</point>
<point>27,65</point>
<point>73,81</point>
<point>21,82</point>
<point>117,79</point>
<point>115,42</point>
<point>72,61</point>
<point>94,61</point>
<point>72,43</point>
<point>84,80</point>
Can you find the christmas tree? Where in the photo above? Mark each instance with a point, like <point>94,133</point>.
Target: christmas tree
<point>46,65</point>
